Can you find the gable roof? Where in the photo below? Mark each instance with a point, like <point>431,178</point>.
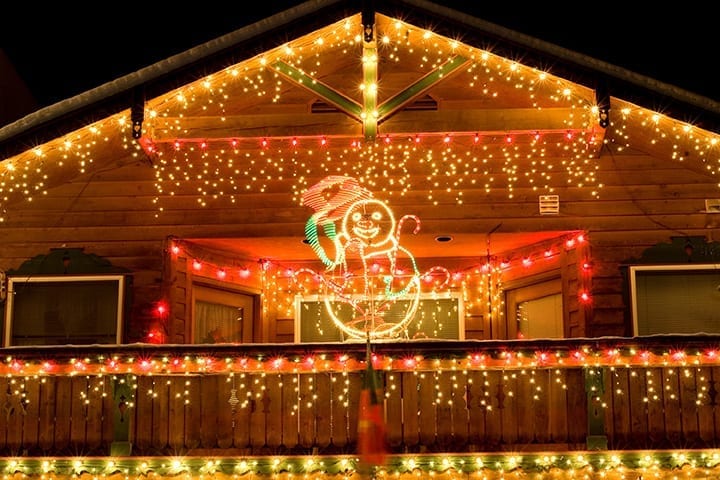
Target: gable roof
<point>218,124</point>
<point>162,77</point>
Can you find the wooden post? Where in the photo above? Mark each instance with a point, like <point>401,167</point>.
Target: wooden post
<point>594,388</point>
<point>122,396</point>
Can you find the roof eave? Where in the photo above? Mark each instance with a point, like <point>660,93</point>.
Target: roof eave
<point>593,73</point>
<point>166,75</point>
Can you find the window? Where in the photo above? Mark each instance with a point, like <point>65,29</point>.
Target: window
<point>675,298</point>
<point>222,315</point>
<point>535,310</point>
<point>64,309</point>
<point>436,317</point>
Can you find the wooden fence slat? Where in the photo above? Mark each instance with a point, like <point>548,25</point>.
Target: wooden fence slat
<point>496,400</point>
<point>636,393</point>
<point>706,411</point>
<point>241,415</point>
<point>46,414</point>
<point>508,391</point>
<point>290,429</point>
<point>673,415</point>
<point>714,402</point>
<point>94,408</point>
<point>619,410</point>
<point>257,415</point>
<point>108,414</point>
<point>542,388</point>
<point>223,412</point>
<point>577,407</point>
<point>144,420</point>
<point>354,388</point>
<point>688,394</point>
<point>63,413</point>
<point>323,408</point>
<point>393,409</point>
<point>443,408</point>
<point>558,408</point>
<point>6,396</point>
<point>275,414</point>
<point>14,414</point>
<point>193,418</point>
<point>524,407</point>
<point>80,392</point>
<point>32,409</point>
<point>477,408</point>
<point>600,404</point>
<point>208,411</point>
<point>339,407</point>
<point>655,406</point>
<point>161,413</point>
<point>410,408</point>
<point>459,411</point>
<point>427,408</point>
<point>176,413</point>
<point>307,410</point>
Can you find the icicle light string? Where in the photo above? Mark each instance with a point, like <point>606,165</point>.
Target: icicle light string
<point>479,283</point>
<point>243,268</point>
<point>30,173</point>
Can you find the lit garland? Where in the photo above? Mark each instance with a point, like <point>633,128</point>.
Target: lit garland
<point>368,232</point>
<point>466,355</point>
<point>578,465</point>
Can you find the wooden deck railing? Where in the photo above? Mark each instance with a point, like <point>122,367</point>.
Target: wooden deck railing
<point>439,397</point>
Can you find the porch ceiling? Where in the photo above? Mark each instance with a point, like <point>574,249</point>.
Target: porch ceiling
<point>461,245</point>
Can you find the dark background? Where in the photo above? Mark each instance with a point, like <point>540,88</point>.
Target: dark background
<point>61,49</point>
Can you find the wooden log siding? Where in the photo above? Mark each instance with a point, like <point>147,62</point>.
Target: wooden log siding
<point>645,200</point>
<point>301,413</point>
<point>58,415</point>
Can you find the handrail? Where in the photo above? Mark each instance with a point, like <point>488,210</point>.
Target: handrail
<point>700,349</point>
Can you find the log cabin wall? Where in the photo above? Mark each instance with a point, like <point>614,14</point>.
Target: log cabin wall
<point>651,202</point>
<point>112,215</point>
<point>190,160</point>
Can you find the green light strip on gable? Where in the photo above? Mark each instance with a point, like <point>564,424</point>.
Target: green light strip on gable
<point>433,463</point>
<point>346,104</point>
<point>413,91</point>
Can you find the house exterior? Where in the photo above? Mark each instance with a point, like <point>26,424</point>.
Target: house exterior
<point>201,259</point>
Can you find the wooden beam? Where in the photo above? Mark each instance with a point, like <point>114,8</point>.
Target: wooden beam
<point>413,91</point>
<point>481,120</point>
<point>517,120</point>
<point>370,73</point>
<point>256,126</point>
<point>330,95</point>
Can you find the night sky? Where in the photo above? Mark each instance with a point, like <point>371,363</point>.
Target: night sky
<point>61,49</point>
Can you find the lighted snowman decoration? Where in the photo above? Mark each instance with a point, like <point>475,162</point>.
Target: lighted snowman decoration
<point>363,229</point>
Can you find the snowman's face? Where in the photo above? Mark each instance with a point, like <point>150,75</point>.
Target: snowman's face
<point>370,221</point>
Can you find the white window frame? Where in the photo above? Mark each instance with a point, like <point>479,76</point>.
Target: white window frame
<point>632,275</point>
<point>68,279</point>
<point>299,299</point>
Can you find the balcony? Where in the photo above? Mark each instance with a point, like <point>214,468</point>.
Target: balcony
<point>474,404</point>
